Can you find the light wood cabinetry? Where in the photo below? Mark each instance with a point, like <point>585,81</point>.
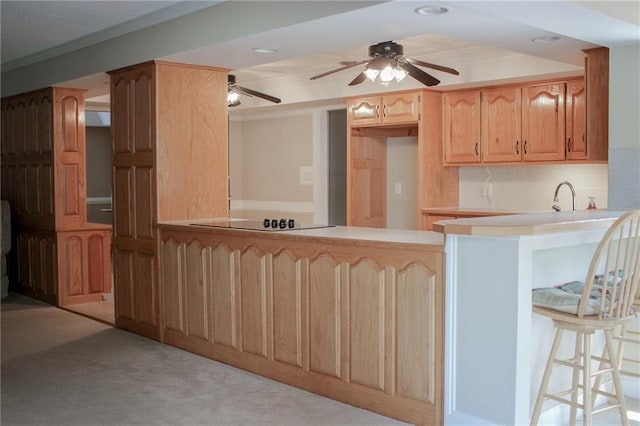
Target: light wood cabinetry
<point>59,257</point>
<point>543,122</point>
<point>366,156</point>
<point>169,143</point>
<point>576,141</point>
<point>501,126</point>
<point>360,322</point>
<point>394,108</point>
<point>597,103</point>
<point>461,127</point>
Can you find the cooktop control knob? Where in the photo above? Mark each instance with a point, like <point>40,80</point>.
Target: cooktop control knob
<point>266,223</point>
<point>291,223</point>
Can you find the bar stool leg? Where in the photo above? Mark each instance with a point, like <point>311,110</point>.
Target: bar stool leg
<point>576,378</point>
<point>535,417</point>
<point>616,376</point>
<point>586,369</point>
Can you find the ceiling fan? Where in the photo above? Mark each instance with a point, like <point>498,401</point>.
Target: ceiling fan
<point>387,62</point>
<point>234,91</point>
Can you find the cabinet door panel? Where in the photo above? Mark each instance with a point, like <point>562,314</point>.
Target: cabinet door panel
<point>367,175</point>
<point>324,316</point>
<point>462,127</point>
<point>224,296</point>
<point>197,290</point>
<point>576,121</point>
<point>416,333</point>
<point>287,308</point>
<point>72,274</point>
<point>172,279</point>
<point>543,122</point>
<point>123,276</point>
<point>364,111</point>
<point>254,302</point>
<point>145,288</point>
<point>401,108</point>
<point>366,325</point>
<point>500,125</point>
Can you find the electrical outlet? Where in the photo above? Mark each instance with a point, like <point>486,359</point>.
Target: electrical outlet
<point>398,188</point>
<point>487,190</point>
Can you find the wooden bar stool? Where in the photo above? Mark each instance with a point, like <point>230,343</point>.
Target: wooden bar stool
<point>602,303</point>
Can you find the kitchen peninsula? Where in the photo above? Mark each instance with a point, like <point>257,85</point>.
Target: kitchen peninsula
<point>354,314</point>
<point>495,347</point>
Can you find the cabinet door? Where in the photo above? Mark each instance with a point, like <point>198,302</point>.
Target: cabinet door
<point>366,181</point>
<point>401,108</point>
<point>365,111</point>
<point>501,119</point>
<point>543,122</point>
<point>576,119</point>
<point>462,127</point>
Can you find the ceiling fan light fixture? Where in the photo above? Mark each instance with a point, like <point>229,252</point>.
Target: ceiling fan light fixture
<point>431,10</point>
<point>233,99</point>
<point>371,74</point>
<point>387,74</point>
<point>399,74</point>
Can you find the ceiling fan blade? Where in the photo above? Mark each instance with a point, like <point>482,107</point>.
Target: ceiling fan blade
<point>418,74</point>
<point>249,92</point>
<point>433,66</point>
<point>359,79</point>
<point>347,65</point>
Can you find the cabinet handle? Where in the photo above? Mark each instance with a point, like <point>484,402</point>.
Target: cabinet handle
<point>384,111</point>
<point>569,145</point>
<point>476,149</point>
<point>517,147</point>
<point>525,147</point>
<point>377,110</point>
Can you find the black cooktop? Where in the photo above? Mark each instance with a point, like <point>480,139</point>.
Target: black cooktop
<point>269,225</point>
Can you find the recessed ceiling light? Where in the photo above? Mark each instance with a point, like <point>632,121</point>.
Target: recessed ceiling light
<point>265,50</point>
<point>431,9</point>
<point>545,39</point>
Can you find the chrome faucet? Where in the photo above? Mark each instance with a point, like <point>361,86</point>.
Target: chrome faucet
<point>555,206</point>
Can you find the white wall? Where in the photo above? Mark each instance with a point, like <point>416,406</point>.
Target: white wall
<point>624,127</point>
<point>531,188</point>
<point>266,155</point>
<point>402,169</point>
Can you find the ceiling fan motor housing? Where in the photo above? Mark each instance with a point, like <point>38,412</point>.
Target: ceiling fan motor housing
<point>386,49</point>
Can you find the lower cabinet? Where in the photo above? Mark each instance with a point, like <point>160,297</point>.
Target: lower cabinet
<point>64,267</point>
<point>359,323</point>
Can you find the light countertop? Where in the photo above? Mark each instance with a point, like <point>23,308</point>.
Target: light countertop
<point>530,224</point>
<point>392,236</point>
<point>465,211</point>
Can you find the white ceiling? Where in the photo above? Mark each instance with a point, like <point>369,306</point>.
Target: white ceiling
<point>484,40</point>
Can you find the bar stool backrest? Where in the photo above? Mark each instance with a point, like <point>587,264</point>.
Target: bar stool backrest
<point>614,272</point>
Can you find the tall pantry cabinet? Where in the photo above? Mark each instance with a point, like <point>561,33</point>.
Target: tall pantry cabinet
<point>169,144</point>
<point>58,257</point>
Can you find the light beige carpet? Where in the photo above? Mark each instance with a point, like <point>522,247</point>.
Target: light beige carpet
<point>59,368</point>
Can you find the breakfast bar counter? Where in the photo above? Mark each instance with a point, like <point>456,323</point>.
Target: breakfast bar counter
<point>495,347</point>
<point>354,314</point>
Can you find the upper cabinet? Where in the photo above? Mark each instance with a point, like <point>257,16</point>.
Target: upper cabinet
<point>461,113</point>
<point>395,108</point>
<point>543,122</point>
<point>501,124</point>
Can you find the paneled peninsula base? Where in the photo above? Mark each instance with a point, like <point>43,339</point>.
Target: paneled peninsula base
<point>356,321</point>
